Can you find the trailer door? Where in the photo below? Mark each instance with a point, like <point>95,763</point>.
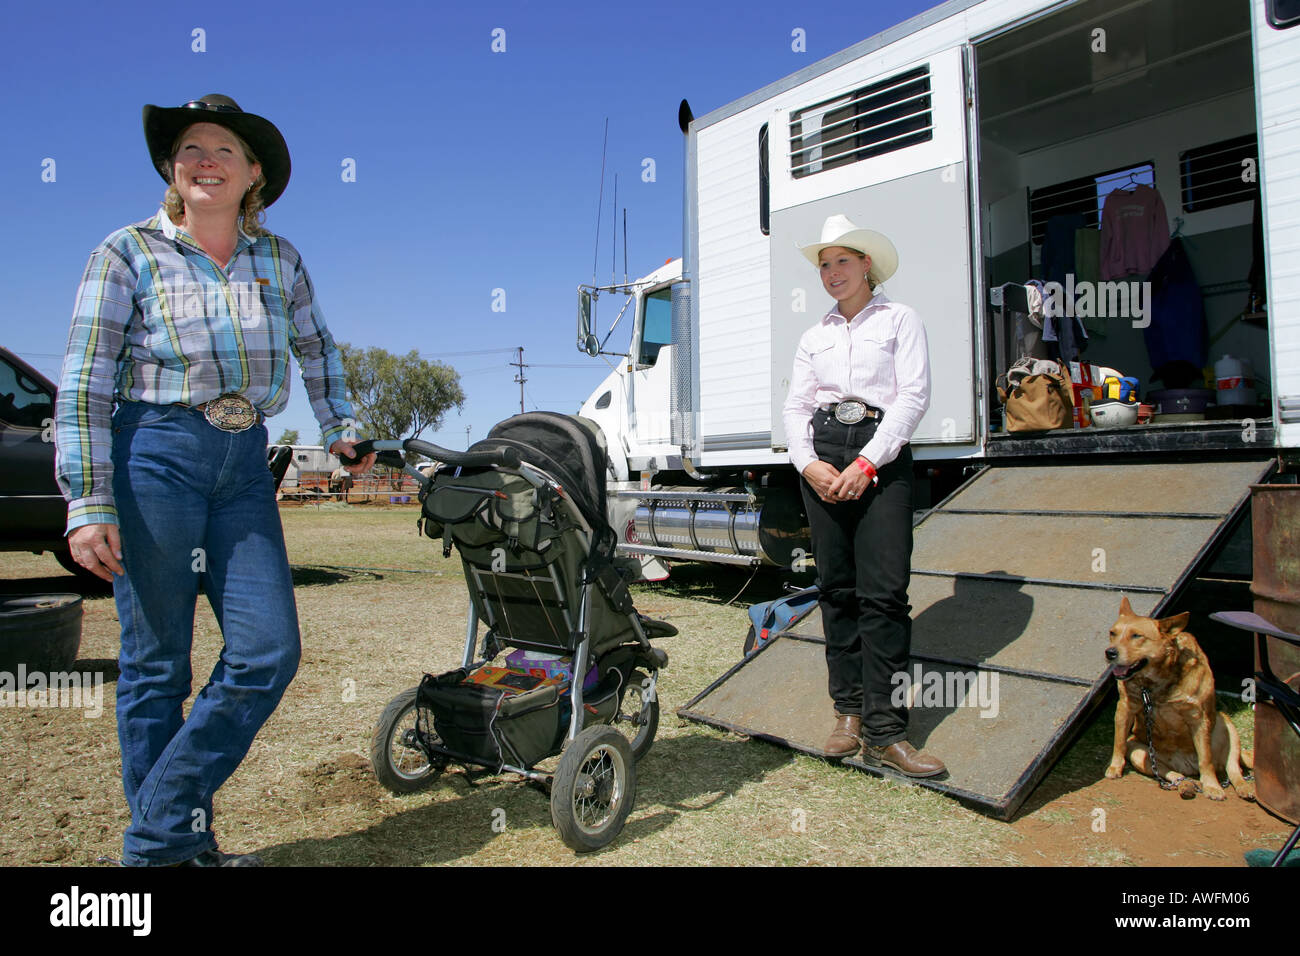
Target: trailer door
<point>1277,88</point>
<point>888,149</point>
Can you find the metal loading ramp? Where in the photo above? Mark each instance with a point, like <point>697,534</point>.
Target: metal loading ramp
<point>1016,580</point>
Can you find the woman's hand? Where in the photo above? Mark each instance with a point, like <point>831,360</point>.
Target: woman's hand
<point>341,447</point>
<point>98,549</point>
<point>821,476</point>
<point>852,482</point>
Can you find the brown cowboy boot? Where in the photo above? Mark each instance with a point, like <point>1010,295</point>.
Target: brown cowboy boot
<point>904,758</point>
<point>846,738</point>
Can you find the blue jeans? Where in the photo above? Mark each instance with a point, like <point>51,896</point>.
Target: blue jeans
<point>194,503</point>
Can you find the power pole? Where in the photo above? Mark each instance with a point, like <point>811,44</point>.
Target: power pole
<point>520,377</point>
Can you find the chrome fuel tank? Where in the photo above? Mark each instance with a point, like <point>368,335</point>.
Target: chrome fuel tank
<point>723,522</point>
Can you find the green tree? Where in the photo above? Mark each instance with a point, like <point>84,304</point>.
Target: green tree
<point>398,396</point>
<point>288,437</point>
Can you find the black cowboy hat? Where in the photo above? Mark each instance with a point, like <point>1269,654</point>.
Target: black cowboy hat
<point>163,124</point>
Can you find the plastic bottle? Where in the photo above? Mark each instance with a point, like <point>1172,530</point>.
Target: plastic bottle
<point>1235,381</point>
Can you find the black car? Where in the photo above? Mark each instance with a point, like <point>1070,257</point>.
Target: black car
<point>32,512</point>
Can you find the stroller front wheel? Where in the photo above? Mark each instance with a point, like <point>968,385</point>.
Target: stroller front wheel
<point>398,759</point>
<point>638,717</point>
<point>593,789</point>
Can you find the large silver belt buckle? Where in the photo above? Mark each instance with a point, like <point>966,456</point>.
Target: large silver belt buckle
<point>231,413</point>
<point>850,413</point>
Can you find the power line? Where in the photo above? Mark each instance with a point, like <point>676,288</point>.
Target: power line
<point>473,352</point>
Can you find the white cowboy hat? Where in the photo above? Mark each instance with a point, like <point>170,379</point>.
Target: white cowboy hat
<point>839,231</point>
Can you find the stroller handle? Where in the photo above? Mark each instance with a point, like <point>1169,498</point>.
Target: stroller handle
<point>389,454</point>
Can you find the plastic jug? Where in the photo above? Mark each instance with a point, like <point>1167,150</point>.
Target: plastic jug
<point>1235,381</point>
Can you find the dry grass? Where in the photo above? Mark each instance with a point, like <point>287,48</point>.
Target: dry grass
<point>306,794</point>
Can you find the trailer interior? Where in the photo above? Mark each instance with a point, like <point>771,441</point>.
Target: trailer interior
<point>1109,94</point>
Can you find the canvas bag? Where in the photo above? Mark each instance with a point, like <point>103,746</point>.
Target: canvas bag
<point>1037,403</point>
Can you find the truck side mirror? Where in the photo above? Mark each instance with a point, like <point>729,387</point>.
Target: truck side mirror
<point>586,340</point>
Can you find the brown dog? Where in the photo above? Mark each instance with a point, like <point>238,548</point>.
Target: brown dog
<point>1191,738</point>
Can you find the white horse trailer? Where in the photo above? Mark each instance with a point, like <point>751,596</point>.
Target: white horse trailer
<point>959,134</point>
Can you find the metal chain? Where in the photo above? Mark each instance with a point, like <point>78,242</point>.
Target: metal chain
<point>1148,711</point>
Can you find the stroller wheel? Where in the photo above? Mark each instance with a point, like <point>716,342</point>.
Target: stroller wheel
<point>399,761</point>
<point>594,788</point>
<point>638,718</point>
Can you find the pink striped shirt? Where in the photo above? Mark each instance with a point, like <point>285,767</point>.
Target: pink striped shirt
<point>880,357</point>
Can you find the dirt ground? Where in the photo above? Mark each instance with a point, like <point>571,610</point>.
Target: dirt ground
<point>379,606</point>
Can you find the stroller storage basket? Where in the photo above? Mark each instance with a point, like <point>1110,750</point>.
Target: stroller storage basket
<point>490,726</point>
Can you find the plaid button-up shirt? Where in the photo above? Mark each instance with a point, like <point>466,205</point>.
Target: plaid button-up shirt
<point>157,320</point>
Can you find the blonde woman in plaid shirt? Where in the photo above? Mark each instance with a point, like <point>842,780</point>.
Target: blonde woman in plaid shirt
<point>179,350</point>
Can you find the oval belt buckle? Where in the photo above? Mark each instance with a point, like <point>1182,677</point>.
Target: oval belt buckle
<point>231,413</point>
<point>850,413</point>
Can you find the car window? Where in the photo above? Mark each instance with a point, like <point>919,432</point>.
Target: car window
<point>23,402</point>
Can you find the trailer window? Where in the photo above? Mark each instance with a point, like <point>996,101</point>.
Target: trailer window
<point>872,120</point>
<point>656,327</point>
<point>1219,174</point>
<point>1084,196</point>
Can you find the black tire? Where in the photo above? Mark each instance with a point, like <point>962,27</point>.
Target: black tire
<point>636,721</point>
<point>41,632</point>
<point>594,789</point>
<point>398,760</point>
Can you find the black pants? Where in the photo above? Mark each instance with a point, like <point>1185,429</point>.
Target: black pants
<point>863,552</point>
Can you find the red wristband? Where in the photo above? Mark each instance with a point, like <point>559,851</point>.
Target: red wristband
<point>867,467</point>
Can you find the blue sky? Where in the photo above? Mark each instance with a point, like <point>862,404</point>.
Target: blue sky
<point>475,170</point>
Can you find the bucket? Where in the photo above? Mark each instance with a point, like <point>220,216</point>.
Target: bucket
<point>1234,381</point>
<point>42,632</point>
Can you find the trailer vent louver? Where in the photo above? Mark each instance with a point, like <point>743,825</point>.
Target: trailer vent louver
<point>872,120</point>
<point>1219,174</point>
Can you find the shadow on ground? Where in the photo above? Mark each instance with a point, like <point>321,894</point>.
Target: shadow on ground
<point>57,584</point>
<point>725,584</point>
<point>679,776</point>
<point>310,575</point>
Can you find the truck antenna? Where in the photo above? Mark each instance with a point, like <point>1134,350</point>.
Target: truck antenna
<point>600,201</point>
<point>625,245</point>
<point>613,253</point>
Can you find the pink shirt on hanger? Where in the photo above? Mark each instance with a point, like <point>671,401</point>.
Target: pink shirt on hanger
<point>1134,232</point>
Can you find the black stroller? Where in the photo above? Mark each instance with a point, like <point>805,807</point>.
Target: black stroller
<point>525,508</point>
